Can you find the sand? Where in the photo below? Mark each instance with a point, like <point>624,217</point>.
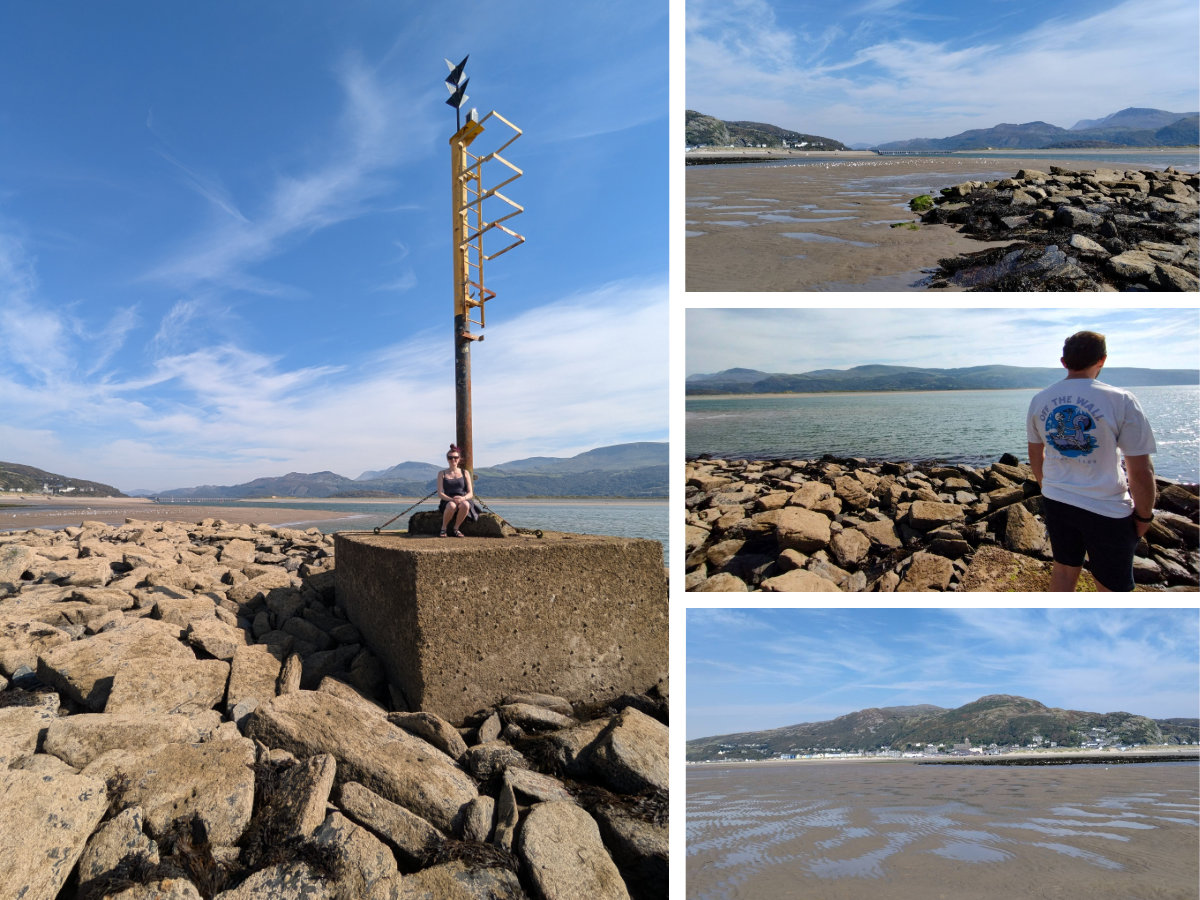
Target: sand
<point>58,512</point>
<point>844,831</point>
<point>825,226</point>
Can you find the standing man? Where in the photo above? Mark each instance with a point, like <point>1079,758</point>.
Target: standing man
<point>1090,503</point>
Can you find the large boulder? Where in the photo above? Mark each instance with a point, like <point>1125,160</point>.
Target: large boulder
<point>46,823</point>
<point>368,749</point>
<point>565,857</point>
<point>631,754</point>
<point>84,670</point>
<point>797,528</point>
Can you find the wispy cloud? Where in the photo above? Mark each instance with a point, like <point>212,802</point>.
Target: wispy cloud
<point>887,82</point>
<point>812,665</point>
<point>800,340</point>
<point>585,371</point>
<point>370,138</point>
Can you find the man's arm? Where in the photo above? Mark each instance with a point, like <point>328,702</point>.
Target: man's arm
<point>1037,454</point>
<point>1141,488</point>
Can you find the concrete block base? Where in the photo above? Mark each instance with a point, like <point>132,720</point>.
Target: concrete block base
<point>460,623</point>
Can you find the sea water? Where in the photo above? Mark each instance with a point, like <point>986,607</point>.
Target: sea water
<point>1141,159</point>
<point>959,427</point>
<point>620,518</point>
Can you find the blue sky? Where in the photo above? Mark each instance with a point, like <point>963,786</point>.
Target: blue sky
<point>752,669</point>
<point>225,235</point>
<point>881,70</point>
<point>801,340</point>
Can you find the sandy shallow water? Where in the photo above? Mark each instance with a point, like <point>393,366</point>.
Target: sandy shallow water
<point>847,831</point>
<point>825,225</point>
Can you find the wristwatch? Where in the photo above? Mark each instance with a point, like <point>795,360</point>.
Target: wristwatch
<point>1149,518</point>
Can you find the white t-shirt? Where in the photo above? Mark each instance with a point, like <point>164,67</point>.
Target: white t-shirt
<point>1083,423</point>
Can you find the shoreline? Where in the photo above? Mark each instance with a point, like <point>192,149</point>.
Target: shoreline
<point>759,153</point>
<point>1076,757</point>
<point>827,225</point>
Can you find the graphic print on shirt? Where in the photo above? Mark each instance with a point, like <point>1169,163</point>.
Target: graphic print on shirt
<point>1067,429</point>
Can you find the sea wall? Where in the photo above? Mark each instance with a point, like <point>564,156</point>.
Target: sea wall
<point>1087,230</point>
<point>186,711</point>
<point>838,524</point>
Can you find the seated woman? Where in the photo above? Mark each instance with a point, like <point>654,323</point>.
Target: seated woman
<point>454,487</point>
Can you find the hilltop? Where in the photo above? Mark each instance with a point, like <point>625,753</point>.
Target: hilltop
<point>622,470</point>
<point>1132,127</point>
<point>1001,719</point>
<point>708,131</point>
<point>913,378</point>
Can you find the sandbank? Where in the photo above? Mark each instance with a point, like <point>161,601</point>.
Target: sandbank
<point>915,832</point>
<point>59,512</point>
<point>821,226</point>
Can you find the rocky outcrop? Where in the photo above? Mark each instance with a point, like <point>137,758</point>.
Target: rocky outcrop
<point>752,525</point>
<point>185,711</point>
<point>1087,230</point>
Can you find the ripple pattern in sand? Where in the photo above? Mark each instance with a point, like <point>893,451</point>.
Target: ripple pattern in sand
<point>819,824</point>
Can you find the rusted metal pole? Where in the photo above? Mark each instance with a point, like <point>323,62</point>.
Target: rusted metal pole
<point>460,205</point>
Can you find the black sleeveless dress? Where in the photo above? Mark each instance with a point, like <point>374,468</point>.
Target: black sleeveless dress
<point>456,487</point>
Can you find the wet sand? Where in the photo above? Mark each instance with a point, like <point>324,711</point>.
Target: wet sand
<point>60,512</point>
<point>844,831</point>
<point>825,226</point>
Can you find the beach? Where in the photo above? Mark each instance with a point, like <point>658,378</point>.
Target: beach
<point>822,225</point>
<point>842,831</point>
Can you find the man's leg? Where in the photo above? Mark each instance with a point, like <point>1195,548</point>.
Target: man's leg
<point>1065,542</point>
<point>1064,577</point>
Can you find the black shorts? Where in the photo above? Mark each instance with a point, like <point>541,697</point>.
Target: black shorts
<point>1109,543</point>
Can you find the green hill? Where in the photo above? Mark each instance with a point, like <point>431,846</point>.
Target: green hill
<point>28,480</point>
<point>1001,719</point>
<point>708,131</point>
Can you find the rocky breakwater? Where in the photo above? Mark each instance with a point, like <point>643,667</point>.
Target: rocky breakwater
<point>1091,230</point>
<point>185,712</point>
<point>851,525</point>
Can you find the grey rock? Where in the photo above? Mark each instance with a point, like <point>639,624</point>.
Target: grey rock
<point>477,819</point>
<point>368,749</point>
<point>46,823</point>
<point>534,718</point>
<point>184,687</point>
<point>297,801</point>
<point>485,760</point>
<point>631,754</point>
<point>928,572</point>
<point>215,637</point>
<point>84,670</point>
<point>455,880</point>
<point>284,881</point>
<point>723,582</point>
<point>366,867</point>
<point>1023,533</point>
<point>432,728</point>
<point>21,728</point>
<point>118,838</point>
<point>410,836</point>
<point>79,739</point>
<point>535,785</point>
<point>639,848</point>
<point>565,857</point>
<point>507,816</point>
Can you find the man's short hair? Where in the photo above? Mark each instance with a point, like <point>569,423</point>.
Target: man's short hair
<point>1083,350</point>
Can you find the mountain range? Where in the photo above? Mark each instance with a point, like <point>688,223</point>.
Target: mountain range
<point>708,131</point>
<point>912,378</point>
<point>1132,127</point>
<point>1002,719</point>
<point>622,470</point>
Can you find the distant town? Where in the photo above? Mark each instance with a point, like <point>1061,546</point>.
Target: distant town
<point>1092,740</point>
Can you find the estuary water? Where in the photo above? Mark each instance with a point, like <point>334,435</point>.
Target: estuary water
<point>961,427</point>
<point>845,830</point>
<point>621,518</point>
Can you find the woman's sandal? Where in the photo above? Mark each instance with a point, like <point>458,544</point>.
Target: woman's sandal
<point>458,533</point>
<point>443,533</point>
